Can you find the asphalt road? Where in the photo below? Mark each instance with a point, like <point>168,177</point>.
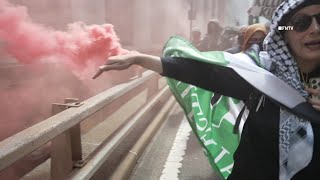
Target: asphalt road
<point>174,154</point>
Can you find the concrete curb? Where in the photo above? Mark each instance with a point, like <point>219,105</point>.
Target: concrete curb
<point>124,170</point>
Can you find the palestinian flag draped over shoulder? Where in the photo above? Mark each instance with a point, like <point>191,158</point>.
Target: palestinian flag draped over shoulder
<point>213,116</point>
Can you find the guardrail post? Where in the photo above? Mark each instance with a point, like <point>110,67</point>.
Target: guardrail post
<point>66,150</point>
<point>75,133</point>
<point>61,153</point>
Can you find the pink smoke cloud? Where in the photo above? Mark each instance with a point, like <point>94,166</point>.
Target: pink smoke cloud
<point>30,42</point>
<point>27,91</point>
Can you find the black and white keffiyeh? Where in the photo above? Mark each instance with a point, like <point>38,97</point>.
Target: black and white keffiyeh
<point>295,134</point>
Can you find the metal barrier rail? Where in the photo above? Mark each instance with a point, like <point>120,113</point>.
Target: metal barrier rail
<point>61,127</point>
<point>86,172</point>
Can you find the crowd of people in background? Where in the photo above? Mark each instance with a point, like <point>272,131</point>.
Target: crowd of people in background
<point>232,39</point>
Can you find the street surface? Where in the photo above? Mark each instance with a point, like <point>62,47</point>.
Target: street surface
<point>174,154</point>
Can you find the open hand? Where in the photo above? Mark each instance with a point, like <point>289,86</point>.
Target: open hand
<point>119,62</point>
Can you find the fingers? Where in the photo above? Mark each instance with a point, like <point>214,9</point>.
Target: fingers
<point>112,61</point>
<point>102,68</point>
<point>119,62</point>
<point>98,73</point>
<point>115,66</point>
<point>316,107</point>
<point>313,91</point>
<point>314,100</point>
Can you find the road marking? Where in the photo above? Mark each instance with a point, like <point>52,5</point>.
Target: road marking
<point>171,168</point>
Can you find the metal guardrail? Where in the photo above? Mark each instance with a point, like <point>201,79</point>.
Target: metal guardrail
<point>63,130</point>
<point>96,162</point>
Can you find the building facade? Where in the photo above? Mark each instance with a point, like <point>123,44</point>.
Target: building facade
<point>140,24</point>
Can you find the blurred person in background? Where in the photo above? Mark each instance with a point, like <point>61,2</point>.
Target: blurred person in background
<point>254,34</point>
<point>228,37</point>
<point>210,41</point>
<point>240,40</point>
<point>195,37</point>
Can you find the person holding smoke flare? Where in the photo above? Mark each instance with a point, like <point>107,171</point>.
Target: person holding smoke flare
<point>281,136</point>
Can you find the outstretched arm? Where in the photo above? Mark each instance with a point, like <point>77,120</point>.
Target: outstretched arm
<point>123,62</point>
<point>212,77</point>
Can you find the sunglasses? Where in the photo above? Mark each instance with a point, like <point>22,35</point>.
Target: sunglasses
<point>302,23</point>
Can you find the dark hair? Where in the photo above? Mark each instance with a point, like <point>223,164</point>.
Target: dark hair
<point>217,26</point>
